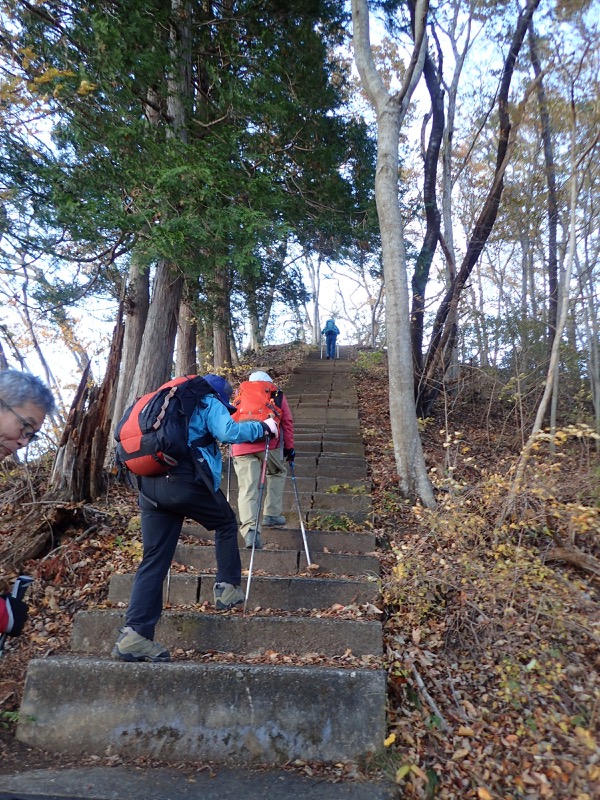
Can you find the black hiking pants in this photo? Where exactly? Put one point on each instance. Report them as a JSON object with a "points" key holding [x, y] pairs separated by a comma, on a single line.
{"points": [[164, 502]]}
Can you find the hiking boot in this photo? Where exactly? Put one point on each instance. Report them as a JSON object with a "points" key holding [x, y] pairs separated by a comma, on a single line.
{"points": [[249, 538], [131, 646], [227, 596], [273, 522]]}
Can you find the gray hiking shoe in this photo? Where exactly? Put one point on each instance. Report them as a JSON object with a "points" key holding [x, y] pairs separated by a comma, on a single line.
{"points": [[273, 522], [227, 596], [131, 646], [249, 538]]}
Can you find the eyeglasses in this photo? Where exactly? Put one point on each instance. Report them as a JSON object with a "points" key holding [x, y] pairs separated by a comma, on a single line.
{"points": [[27, 430]]}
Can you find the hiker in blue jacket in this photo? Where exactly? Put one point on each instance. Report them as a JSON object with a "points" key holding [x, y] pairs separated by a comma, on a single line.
{"points": [[191, 489], [331, 332]]}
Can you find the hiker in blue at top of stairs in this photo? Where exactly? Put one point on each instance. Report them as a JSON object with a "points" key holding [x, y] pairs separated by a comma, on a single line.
{"points": [[331, 332]]}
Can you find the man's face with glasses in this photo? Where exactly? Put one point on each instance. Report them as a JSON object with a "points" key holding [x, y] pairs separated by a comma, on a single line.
{"points": [[18, 426]]}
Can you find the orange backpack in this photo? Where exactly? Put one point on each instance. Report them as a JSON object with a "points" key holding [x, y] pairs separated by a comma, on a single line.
{"points": [[257, 401], [152, 435]]}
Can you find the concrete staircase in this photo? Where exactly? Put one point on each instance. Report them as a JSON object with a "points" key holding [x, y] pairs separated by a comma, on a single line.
{"points": [[243, 709]]}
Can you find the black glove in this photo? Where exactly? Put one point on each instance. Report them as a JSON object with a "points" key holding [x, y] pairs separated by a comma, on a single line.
{"points": [[19, 613], [289, 454]]}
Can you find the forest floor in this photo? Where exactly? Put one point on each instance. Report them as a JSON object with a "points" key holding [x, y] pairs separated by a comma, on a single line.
{"points": [[492, 616]]}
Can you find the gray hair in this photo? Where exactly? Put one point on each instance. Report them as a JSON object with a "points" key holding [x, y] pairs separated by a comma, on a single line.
{"points": [[18, 388]]}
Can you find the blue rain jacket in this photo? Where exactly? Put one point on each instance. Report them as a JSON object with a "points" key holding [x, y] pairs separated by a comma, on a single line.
{"points": [[216, 420]]}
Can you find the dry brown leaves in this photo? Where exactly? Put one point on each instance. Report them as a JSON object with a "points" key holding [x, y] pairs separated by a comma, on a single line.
{"points": [[492, 652]]}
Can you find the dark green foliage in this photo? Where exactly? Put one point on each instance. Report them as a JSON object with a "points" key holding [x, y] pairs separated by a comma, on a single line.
{"points": [[263, 159]]}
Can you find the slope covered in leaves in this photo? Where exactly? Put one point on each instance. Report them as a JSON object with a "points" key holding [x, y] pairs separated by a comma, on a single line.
{"points": [[491, 637]]}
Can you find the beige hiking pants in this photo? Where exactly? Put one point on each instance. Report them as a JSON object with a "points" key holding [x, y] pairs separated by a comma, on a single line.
{"points": [[248, 469]]}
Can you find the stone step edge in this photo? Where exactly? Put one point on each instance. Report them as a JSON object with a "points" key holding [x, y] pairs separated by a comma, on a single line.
{"points": [[277, 593], [362, 541], [288, 563], [239, 714], [95, 631]]}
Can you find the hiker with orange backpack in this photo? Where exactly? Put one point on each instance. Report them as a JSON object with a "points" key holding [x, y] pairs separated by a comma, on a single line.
{"points": [[260, 398], [169, 440]]}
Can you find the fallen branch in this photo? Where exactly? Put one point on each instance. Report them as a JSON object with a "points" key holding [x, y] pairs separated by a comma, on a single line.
{"points": [[429, 699], [571, 555]]}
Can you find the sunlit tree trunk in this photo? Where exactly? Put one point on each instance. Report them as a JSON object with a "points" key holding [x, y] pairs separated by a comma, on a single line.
{"points": [[314, 275], [136, 303], [390, 109]]}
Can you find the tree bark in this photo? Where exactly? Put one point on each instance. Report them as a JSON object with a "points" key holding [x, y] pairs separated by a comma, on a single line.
{"points": [[390, 109], [155, 359], [221, 352], [186, 360], [77, 473], [432, 214], [136, 304]]}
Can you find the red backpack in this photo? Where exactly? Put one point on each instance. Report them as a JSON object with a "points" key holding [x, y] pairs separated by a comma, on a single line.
{"points": [[257, 401], [152, 435]]}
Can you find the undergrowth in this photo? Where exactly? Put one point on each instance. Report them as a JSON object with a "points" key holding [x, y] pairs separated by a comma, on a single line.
{"points": [[491, 632]]}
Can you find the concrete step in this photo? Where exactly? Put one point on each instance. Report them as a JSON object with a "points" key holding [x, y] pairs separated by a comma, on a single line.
{"points": [[158, 783], [241, 714], [343, 502], [331, 501], [284, 594], [234, 632], [282, 562], [344, 485], [332, 467], [338, 541]]}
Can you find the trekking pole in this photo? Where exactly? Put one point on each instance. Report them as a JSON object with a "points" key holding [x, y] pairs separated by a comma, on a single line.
{"points": [[304, 539], [19, 589], [168, 585], [263, 474], [228, 470], [321, 347]]}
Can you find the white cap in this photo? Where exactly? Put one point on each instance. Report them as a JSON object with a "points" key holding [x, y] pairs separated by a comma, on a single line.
{"points": [[261, 376]]}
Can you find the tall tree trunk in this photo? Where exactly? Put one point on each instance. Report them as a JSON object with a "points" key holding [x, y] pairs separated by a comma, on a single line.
{"points": [[551, 182], [432, 214], [221, 352], [390, 109], [136, 303], [155, 362], [186, 360], [444, 326], [313, 319]]}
